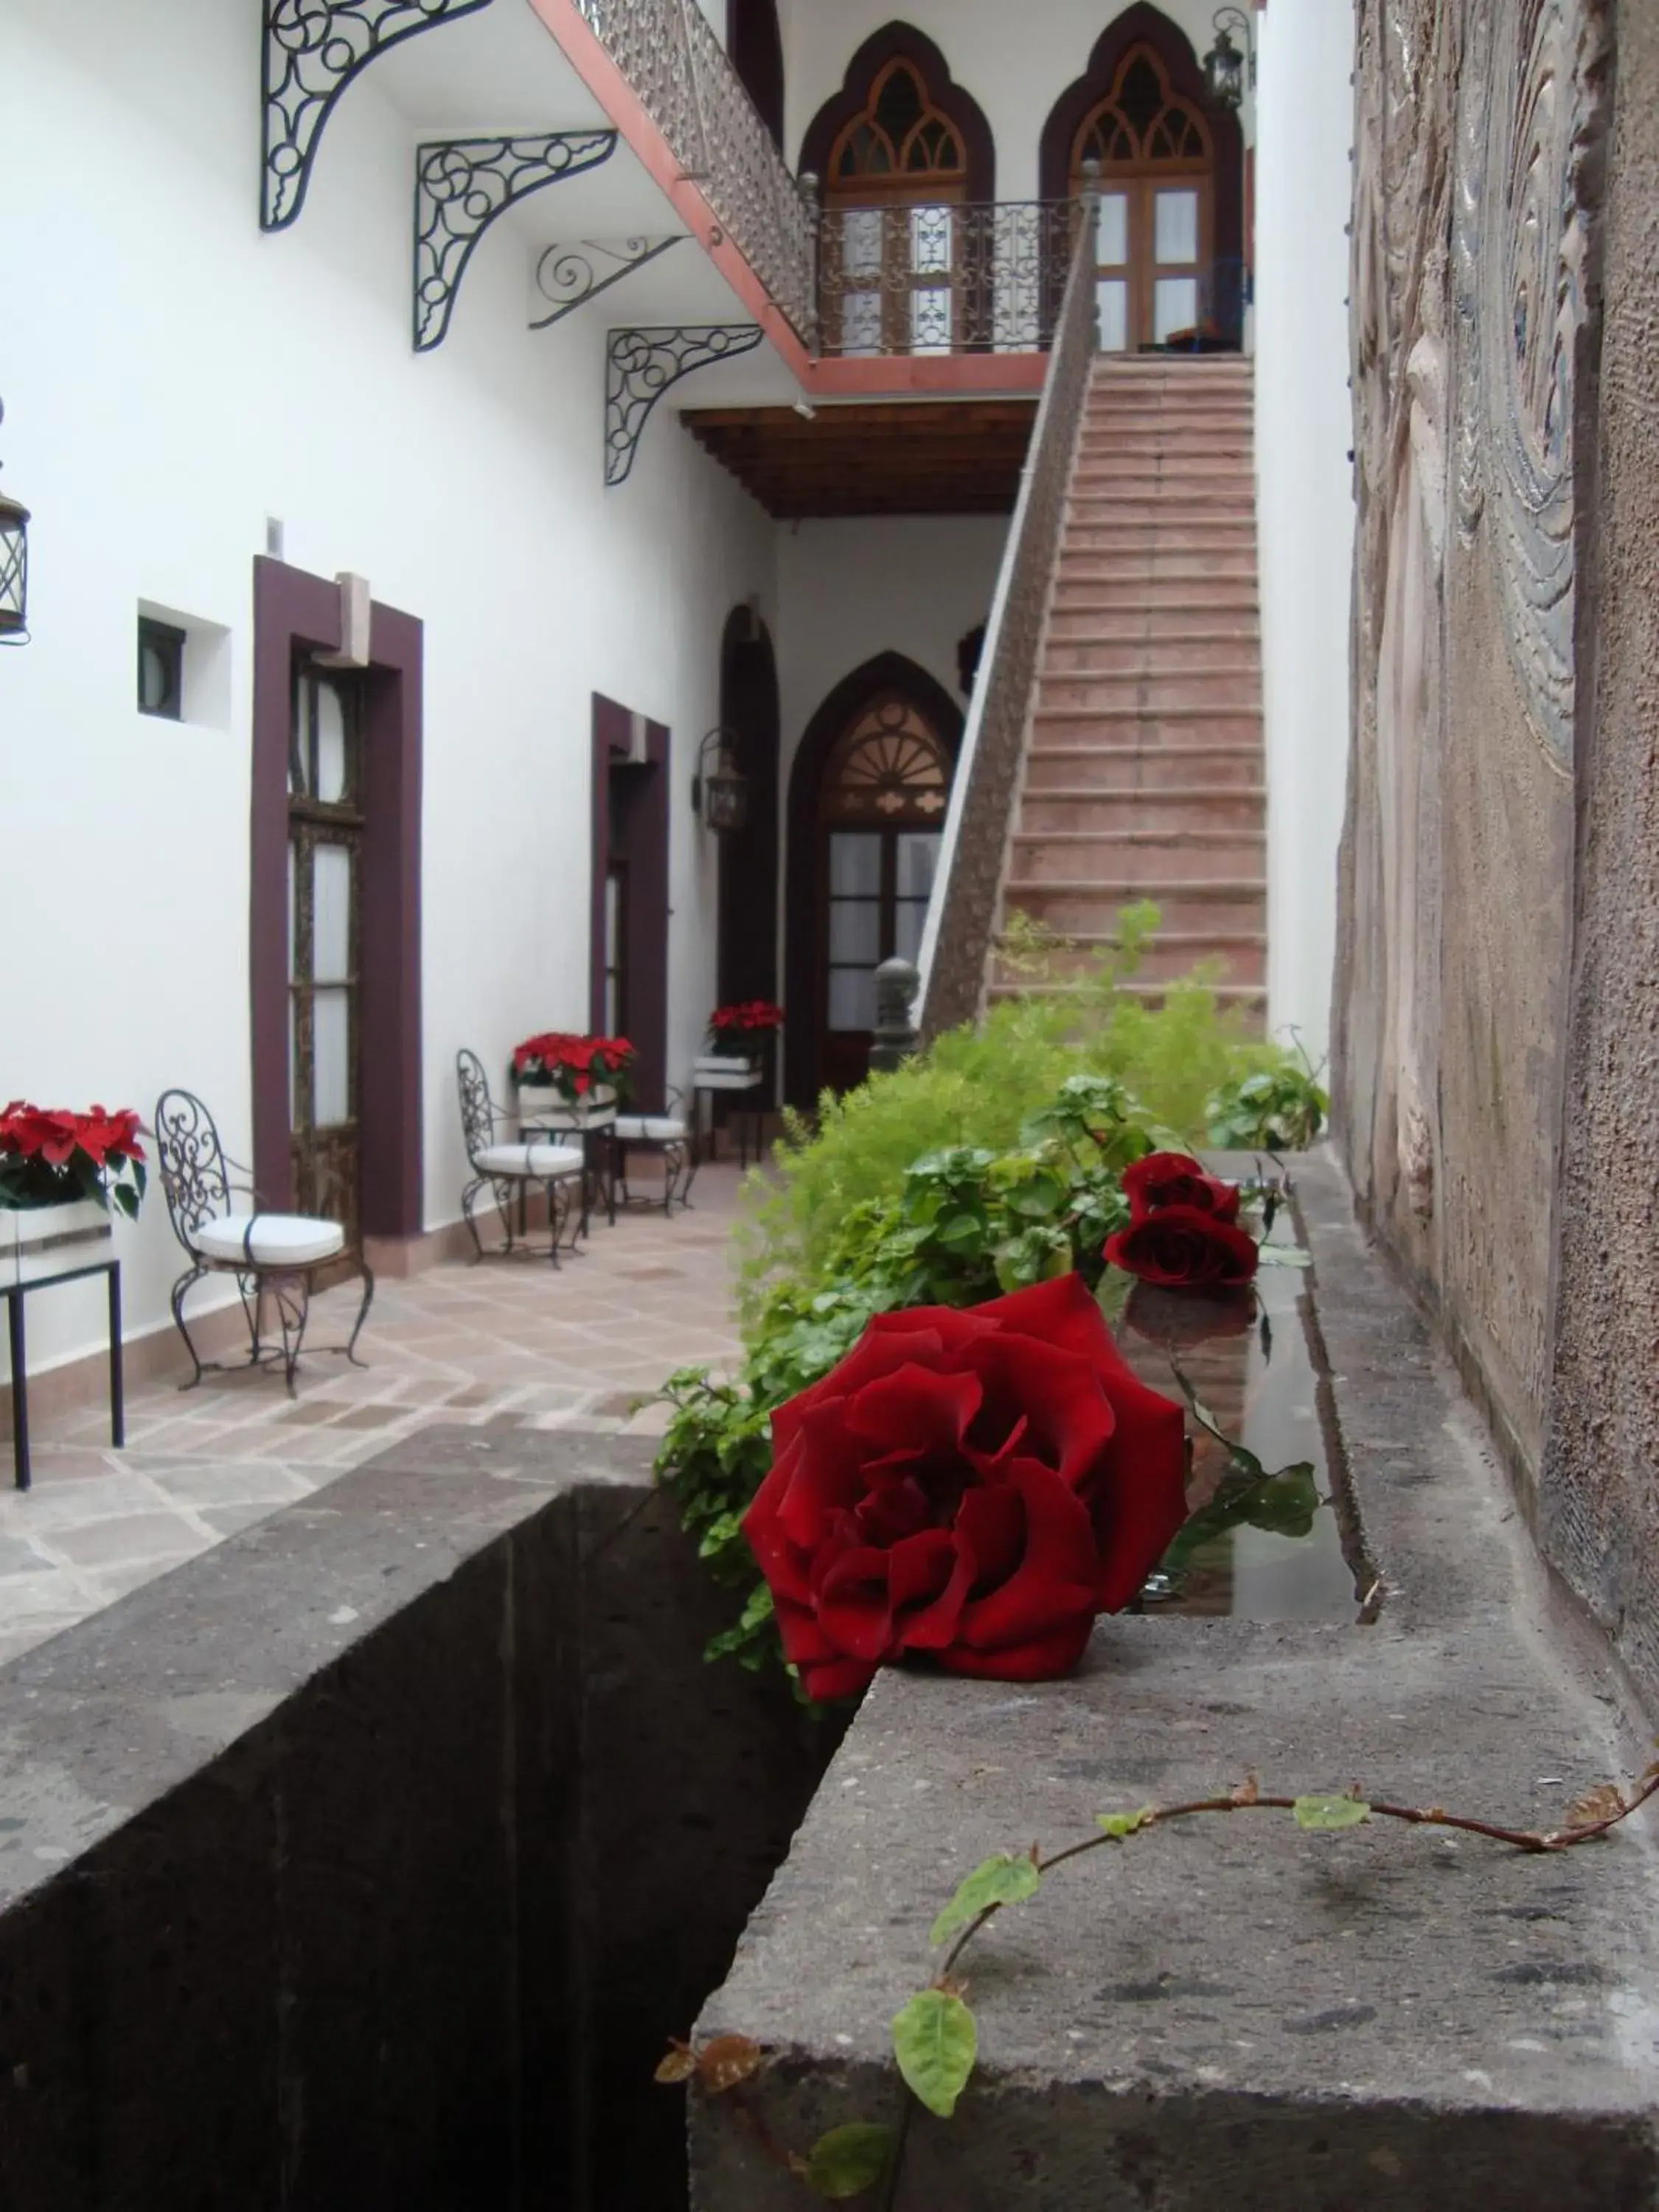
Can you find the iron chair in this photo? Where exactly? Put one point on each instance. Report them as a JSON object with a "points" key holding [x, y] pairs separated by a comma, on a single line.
{"points": [[507, 1170], [277, 1253], [669, 1134]]}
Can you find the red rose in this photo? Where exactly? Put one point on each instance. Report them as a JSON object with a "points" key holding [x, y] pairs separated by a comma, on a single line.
{"points": [[1182, 1247], [1176, 1179], [974, 1486]]}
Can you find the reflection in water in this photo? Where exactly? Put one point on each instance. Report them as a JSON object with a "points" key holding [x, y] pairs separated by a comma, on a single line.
{"points": [[1249, 1361]]}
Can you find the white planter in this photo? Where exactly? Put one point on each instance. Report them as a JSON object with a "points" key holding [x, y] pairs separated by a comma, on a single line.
{"points": [[45, 1240], [550, 1110], [715, 1071]]}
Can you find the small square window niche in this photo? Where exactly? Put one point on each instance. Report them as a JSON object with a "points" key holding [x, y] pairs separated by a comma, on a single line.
{"points": [[160, 669]]}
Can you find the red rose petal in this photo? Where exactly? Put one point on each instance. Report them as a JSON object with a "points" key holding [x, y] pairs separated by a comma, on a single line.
{"points": [[854, 1607], [1043, 1658], [1056, 1576]]}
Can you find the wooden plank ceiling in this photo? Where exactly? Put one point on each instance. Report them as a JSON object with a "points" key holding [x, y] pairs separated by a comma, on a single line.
{"points": [[919, 457]]}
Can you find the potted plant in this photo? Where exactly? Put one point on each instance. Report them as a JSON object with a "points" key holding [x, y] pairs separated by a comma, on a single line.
{"points": [[738, 1036], [568, 1079], [60, 1174]]}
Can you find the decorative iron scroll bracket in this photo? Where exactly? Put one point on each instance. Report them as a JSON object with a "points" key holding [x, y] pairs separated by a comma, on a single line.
{"points": [[568, 276], [461, 185], [312, 50], [641, 365]]}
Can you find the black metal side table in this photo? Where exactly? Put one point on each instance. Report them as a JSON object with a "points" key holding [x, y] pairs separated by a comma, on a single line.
{"points": [[14, 1294]]}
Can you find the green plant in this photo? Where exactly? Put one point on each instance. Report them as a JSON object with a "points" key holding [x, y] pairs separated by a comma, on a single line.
{"points": [[1274, 1110]]}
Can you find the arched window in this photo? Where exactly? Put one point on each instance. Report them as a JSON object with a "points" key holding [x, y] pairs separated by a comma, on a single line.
{"points": [[899, 150], [1171, 167]]}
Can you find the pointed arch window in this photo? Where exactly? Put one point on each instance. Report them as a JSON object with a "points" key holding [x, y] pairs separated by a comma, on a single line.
{"points": [[1156, 154]]}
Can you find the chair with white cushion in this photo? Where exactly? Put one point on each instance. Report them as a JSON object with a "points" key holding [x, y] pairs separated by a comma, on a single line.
{"points": [[273, 1254], [670, 1136], [507, 1170]]}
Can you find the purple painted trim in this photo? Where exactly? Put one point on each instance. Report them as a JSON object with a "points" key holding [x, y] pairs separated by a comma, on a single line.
{"points": [[296, 613]]}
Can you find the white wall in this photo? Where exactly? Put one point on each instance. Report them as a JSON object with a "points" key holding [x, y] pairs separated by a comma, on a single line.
{"points": [[173, 378], [1304, 433], [1016, 62]]}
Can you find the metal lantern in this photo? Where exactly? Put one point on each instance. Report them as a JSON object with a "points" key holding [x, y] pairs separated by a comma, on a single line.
{"points": [[1224, 66], [720, 793], [14, 568]]}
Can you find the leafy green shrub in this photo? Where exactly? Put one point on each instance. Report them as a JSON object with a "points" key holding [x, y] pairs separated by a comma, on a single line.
{"points": [[1277, 1110]]}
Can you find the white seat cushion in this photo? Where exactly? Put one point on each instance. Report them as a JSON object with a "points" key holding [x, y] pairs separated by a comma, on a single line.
{"points": [[650, 1129], [536, 1162], [279, 1240]]}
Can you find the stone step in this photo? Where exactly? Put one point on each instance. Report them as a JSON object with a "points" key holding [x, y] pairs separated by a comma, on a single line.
{"points": [[1192, 906], [1151, 692], [1174, 811], [1161, 513], [1242, 953], [1232, 725], [1080, 768], [1184, 523], [1247, 997], [1128, 596], [1118, 858], [1136, 476], [1163, 564], [1123, 653]]}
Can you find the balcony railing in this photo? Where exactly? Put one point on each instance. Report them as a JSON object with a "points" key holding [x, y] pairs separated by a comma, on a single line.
{"points": [[944, 279], [670, 55]]}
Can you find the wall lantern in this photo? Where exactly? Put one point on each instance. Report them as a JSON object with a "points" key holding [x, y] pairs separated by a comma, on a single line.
{"points": [[14, 570], [721, 792], [1226, 68]]}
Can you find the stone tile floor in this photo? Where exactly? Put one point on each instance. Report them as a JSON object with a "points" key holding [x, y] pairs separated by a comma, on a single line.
{"points": [[508, 1341]]}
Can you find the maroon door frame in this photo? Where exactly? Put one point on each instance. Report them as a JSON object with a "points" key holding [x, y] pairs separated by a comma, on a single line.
{"points": [[640, 835], [747, 966], [888, 671], [294, 614], [903, 41], [754, 46]]}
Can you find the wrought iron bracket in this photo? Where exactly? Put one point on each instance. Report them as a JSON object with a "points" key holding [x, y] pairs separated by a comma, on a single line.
{"points": [[568, 276], [312, 50], [641, 365], [461, 185]]}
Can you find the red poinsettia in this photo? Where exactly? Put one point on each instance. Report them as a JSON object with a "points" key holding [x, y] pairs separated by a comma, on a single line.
{"points": [[734, 1028], [973, 1486], [573, 1064], [49, 1156]]}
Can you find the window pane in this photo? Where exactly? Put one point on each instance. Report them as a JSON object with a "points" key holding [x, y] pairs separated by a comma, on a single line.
{"points": [[293, 864], [860, 323], [1114, 230], [856, 863], [851, 998], [855, 930], [330, 942], [331, 1036], [1175, 228], [331, 745], [910, 919], [1174, 306], [1114, 295], [861, 242], [931, 229], [931, 318], [918, 857]]}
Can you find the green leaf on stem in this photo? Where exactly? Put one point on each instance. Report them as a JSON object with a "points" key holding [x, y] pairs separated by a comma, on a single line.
{"points": [[935, 2042], [1003, 1880], [1125, 1824], [850, 2160], [1331, 1812]]}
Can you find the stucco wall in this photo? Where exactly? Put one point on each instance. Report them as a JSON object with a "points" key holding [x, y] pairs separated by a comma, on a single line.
{"points": [[1599, 1493], [1476, 326], [173, 378]]}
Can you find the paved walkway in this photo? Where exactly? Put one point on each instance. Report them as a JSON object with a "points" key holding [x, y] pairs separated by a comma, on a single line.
{"points": [[506, 1343]]}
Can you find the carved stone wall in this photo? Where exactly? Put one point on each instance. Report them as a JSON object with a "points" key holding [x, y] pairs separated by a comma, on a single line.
{"points": [[1476, 329]]}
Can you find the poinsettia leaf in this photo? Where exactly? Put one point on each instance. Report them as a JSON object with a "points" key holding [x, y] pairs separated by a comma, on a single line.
{"points": [[849, 2160], [935, 2042], [1331, 1812], [1003, 1880]]}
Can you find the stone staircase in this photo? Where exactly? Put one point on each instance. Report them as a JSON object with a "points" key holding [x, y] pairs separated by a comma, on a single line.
{"points": [[1143, 773]]}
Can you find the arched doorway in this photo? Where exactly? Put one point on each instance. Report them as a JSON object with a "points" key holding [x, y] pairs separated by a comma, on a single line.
{"points": [[899, 150], [1171, 185], [747, 960], [867, 801]]}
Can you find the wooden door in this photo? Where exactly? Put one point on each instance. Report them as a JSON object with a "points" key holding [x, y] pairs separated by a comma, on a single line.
{"points": [[893, 242], [1156, 167], [324, 856]]}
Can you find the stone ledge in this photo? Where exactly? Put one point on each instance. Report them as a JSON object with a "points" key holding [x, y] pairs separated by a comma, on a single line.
{"points": [[1231, 2011]]}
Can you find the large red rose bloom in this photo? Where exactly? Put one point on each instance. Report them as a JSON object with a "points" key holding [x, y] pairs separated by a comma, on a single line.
{"points": [[1183, 1247], [973, 1485], [1177, 1179]]}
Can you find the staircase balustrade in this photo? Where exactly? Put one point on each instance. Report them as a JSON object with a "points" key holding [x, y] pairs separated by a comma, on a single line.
{"points": [[669, 52], [962, 917]]}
